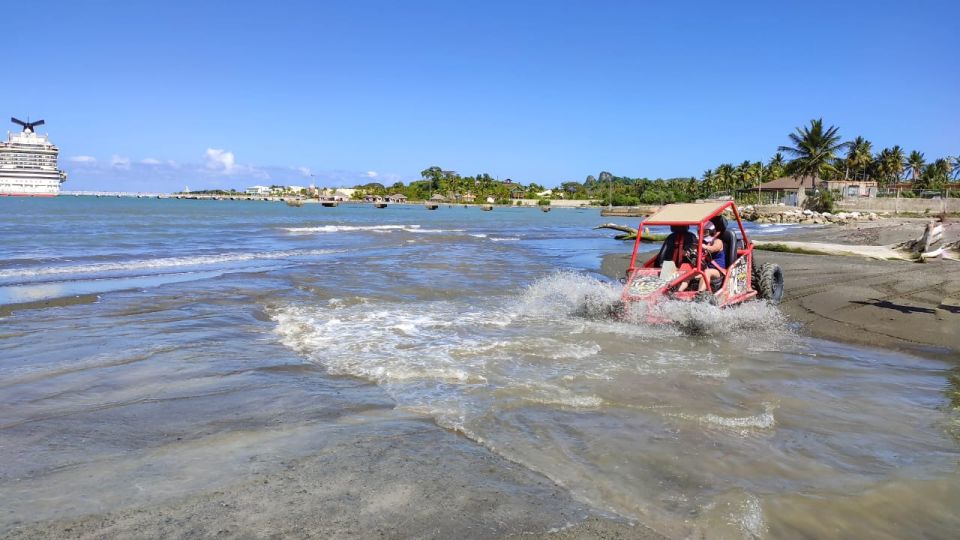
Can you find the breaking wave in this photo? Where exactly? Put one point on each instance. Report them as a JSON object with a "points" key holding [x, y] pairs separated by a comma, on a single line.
{"points": [[416, 229], [166, 262]]}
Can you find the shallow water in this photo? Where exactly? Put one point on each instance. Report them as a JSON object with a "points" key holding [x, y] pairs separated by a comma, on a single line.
{"points": [[210, 312]]}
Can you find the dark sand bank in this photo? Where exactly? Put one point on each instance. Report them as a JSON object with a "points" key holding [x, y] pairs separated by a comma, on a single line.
{"points": [[8, 309], [913, 307]]}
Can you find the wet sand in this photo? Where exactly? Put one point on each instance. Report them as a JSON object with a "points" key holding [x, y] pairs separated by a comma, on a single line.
{"points": [[393, 478], [7, 309], [907, 306]]}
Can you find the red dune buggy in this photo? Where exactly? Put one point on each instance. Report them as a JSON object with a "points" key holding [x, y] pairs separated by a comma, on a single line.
{"points": [[682, 259]]}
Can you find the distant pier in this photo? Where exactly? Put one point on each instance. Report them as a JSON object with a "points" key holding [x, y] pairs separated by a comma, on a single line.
{"points": [[134, 194]]}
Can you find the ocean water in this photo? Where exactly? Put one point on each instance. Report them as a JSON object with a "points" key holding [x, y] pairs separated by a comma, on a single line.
{"points": [[135, 319]]}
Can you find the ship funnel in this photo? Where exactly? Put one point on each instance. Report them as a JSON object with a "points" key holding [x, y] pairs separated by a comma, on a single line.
{"points": [[27, 126]]}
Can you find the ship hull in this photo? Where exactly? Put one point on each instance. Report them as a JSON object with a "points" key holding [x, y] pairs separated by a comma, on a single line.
{"points": [[24, 183]]}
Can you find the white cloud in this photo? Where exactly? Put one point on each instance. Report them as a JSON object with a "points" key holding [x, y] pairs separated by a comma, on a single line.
{"points": [[219, 159], [305, 171], [120, 162], [173, 164], [372, 174], [150, 161], [83, 159]]}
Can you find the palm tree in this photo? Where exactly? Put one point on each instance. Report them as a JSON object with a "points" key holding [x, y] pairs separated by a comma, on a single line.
{"points": [[915, 164], [859, 155], [725, 177], [709, 181], [813, 150], [776, 166], [896, 161], [956, 167], [935, 175], [888, 165]]}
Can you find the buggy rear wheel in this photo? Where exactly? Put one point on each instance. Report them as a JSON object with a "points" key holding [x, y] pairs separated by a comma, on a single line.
{"points": [[768, 281]]}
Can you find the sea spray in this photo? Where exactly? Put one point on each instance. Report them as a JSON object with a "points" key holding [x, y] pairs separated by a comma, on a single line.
{"points": [[568, 293]]}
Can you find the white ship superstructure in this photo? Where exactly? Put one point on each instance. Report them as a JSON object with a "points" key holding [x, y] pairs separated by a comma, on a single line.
{"points": [[28, 163]]}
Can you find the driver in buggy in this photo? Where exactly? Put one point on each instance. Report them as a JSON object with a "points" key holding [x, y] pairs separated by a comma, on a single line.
{"points": [[680, 249], [678, 246]]}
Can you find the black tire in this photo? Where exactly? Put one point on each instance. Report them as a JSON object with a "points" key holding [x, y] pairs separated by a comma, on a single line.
{"points": [[716, 284], [706, 297], [768, 281]]}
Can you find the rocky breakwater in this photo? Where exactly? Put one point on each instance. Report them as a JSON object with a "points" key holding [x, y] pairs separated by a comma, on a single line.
{"points": [[789, 214]]}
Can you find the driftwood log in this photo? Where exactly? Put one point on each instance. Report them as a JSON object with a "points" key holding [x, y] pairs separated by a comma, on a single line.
{"points": [[629, 233]]}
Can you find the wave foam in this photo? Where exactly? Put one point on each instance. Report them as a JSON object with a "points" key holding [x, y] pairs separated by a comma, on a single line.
{"points": [[416, 229], [166, 262], [743, 424]]}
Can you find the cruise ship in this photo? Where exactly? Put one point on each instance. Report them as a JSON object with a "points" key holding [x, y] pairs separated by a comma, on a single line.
{"points": [[28, 163]]}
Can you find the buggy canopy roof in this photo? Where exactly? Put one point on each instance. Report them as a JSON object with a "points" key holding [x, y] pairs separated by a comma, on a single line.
{"points": [[686, 213]]}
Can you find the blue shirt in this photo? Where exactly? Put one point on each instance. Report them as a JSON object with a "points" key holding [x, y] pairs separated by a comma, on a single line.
{"points": [[720, 257]]}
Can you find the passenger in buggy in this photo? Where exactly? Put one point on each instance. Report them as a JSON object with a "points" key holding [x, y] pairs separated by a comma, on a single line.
{"points": [[714, 256]]}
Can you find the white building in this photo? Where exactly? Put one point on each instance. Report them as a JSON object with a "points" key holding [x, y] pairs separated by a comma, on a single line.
{"points": [[258, 190]]}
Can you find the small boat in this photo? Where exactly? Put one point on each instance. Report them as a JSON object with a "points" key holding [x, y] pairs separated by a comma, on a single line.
{"points": [[330, 204], [295, 202], [487, 207], [431, 206], [380, 205], [545, 208]]}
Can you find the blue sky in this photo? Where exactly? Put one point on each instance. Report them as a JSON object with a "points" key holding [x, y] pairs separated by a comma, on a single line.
{"points": [[155, 96]]}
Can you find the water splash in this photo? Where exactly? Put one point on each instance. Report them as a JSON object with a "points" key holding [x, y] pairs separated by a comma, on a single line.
{"points": [[569, 293]]}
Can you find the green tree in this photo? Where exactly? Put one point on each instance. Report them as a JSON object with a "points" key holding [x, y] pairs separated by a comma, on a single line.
{"points": [[859, 157], [935, 175], [915, 164], [776, 167], [814, 149], [434, 175]]}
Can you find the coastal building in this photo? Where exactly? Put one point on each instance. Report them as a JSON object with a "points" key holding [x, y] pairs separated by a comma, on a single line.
{"points": [[469, 198], [295, 189], [257, 190], [853, 188], [337, 194], [438, 198], [28, 163], [397, 198], [517, 192], [790, 190]]}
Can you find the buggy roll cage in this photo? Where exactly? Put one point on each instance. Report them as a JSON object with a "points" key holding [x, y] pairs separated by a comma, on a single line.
{"points": [[685, 215]]}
